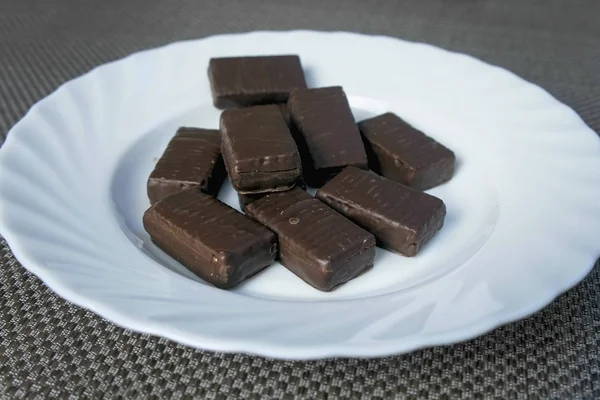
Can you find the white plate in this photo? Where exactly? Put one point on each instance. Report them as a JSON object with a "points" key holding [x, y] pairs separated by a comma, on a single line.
{"points": [[523, 221]]}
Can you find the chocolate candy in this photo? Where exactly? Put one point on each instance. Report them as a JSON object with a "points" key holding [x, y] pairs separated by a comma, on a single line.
{"points": [[315, 242], [192, 159], [247, 81], [259, 150], [211, 239], [403, 219], [326, 133], [405, 154]]}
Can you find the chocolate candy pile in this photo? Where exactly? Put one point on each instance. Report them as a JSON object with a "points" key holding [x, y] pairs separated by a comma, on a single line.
{"points": [[276, 135]]}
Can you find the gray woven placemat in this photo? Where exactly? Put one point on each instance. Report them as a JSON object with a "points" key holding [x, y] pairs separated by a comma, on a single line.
{"points": [[49, 348]]}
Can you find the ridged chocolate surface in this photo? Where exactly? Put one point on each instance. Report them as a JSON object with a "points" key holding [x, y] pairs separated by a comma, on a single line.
{"points": [[247, 81], [315, 242], [259, 150], [405, 154], [325, 129], [214, 241], [401, 218], [192, 159]]}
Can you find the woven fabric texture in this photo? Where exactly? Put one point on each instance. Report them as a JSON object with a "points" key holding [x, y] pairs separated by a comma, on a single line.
{"points": [[52, 349]]}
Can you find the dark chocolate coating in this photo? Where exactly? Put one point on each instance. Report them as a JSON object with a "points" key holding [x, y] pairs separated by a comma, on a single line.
{"points": [[259, 151], [211, 239], [245, 199], [315, 242], [248, 81], [285, 113], [327, 135], [401, 218], [192, 159], [400, 152]]}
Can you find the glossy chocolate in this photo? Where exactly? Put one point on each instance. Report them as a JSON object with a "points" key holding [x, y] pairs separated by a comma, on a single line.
{"points": [[400, 152], [192, 159], [259, 151], [315, 242], [326, 133], [401, 218], [248, 81], [211, 239], [245, 199]]}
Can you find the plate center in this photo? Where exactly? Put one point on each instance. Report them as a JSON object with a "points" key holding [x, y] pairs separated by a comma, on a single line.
{"points": [[472, 206]]}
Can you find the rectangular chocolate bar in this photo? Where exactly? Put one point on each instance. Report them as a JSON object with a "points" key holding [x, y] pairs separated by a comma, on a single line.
{"points": [[248, 81], [192, 159], [326, 133], [211, 239], [401, 218], [315, 242], [400, 152], [259, 151]]}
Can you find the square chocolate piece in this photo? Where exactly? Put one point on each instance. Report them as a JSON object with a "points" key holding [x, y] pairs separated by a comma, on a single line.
{"points": [[192, 159], [248, 81], [211, 239], [401, 218], [315, 242], [259, 151], [326, 133], [400, 152]]}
